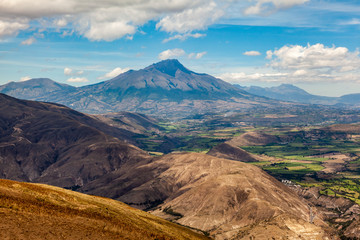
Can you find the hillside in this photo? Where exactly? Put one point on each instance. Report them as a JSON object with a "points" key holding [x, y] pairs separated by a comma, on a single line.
{"points": [[35, 211], [130, 121], [225, 198], [43, 142]]}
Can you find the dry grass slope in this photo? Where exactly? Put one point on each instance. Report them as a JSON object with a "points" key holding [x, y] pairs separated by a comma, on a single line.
{"points": [[36, 211]]}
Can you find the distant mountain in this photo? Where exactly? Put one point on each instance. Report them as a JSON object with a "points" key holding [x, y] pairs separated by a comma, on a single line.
{"points": [[353, 99], [289, 92], [34, 211], [35, 88], [166, 88]]}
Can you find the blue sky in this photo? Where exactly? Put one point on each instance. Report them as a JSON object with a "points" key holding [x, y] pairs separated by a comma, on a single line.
{"points": [[312, 44]]}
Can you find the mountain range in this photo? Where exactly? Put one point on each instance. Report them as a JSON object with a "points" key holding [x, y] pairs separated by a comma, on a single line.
{"points": [[165, 88], [289, 92]]}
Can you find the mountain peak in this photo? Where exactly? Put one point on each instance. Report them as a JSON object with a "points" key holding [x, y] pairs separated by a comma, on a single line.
{"points": [[169, 66]]}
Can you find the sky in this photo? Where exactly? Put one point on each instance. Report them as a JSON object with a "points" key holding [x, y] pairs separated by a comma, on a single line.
{"points": [[313, 44]]}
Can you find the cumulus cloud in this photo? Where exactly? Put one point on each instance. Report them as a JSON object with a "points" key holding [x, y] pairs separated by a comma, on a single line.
{"points": [[244, 77], [113, 73], [28, 41], [60, 22], [111, 19], [11, 27], [171, 53], [315, 58], [269, 6], [183, 37], [26, 78], [68, 71], [252, 53], [178, 52], [77, 80], [71, 72], [311, 63], [197, 55], [191, 19]]}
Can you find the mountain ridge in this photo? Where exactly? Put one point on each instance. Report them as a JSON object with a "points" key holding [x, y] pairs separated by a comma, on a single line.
{"points": [[166, 88], [289, 92]]}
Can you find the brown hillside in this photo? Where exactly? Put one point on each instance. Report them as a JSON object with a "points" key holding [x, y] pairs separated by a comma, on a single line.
{"points": [[225, 150], [253, 139], [345, 128], [226, 198], [49, 143], [34, 211], [130, 121]]}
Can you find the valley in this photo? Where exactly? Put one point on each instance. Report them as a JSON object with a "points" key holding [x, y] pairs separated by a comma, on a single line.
{"points": [[180, 120], [224, 172]]}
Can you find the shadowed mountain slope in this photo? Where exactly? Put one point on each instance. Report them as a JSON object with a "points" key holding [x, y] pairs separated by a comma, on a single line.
{"points": [[35, 211], [43, 142]]}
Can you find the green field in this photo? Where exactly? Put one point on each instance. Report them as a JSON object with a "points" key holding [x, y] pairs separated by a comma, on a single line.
{"points": [[298, 155]]}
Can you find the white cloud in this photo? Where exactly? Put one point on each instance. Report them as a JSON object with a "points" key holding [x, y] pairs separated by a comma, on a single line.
{"points": [[28, 41], [244, 77], [354, 21], [178, 52], [107, 31], [171, 53], [68, 71], [113, 73], [26, 78], [60, 22], [183, 37], [11, 27], [311, 63], [77, 80], [314, 57], [191, 19], [67, 33], [108, 20], [196, 55], [269, 6], [252, 53]]}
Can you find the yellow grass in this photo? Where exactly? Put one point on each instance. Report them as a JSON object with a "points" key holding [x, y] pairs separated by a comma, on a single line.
{"points": [[36, 211]]}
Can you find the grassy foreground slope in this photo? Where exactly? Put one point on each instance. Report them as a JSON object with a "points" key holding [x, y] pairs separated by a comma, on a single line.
{"points": [[36, 211]]}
